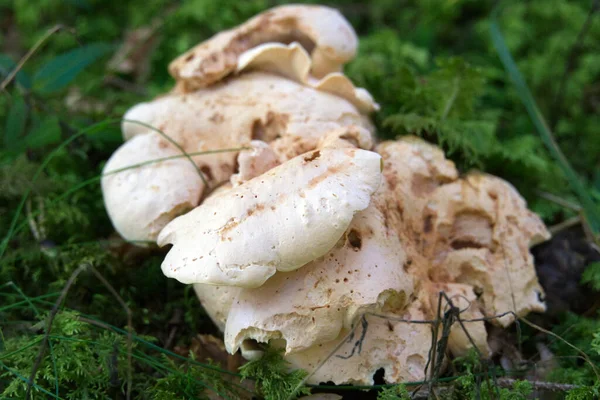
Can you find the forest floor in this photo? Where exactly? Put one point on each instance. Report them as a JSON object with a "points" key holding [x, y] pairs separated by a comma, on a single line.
{"points": [[120, 329]]}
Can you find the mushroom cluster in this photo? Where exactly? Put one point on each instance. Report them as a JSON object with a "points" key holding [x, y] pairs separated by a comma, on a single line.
{"points": [[313, 228]]}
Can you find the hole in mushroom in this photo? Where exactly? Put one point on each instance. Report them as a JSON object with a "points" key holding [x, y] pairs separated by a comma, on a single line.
{"points": [[269, 129], [406, 265], [465, 244], [540, 296], [428, 224], [471, 230], [379, 377], [258, 130], [354, 239], [251, 344], [353, 140], [390, 326], [236, 165], [207, 172], [252, 350]]}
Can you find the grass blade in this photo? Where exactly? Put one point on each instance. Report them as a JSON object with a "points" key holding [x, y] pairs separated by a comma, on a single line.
{"points": [[592, 213]]}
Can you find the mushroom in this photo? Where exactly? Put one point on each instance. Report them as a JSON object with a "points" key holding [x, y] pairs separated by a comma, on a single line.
{"points": [[421, 205], [396, 344], [311, 305], [321, 30], [141, 201], [210, 112], [254, 106], [306, 241], [278, 221], [216, 301], [481, 234]]}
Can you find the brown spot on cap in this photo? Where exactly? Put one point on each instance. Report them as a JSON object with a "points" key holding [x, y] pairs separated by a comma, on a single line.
{"points": [[313, 156]]}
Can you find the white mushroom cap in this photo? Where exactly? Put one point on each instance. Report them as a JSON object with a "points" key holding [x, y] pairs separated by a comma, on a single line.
{"points": [[216, 301], [322, 30], [142, 200], [474, 230], [254, 106], [414, 168], [314, 303], [281, 220], [483, 232], [400, 348], [293, 62]]}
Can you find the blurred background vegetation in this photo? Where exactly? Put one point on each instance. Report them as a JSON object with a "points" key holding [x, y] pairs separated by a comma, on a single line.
{"points": [[432, 66]]}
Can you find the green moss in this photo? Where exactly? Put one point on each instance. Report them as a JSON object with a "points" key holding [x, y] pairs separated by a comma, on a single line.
{"points": [[272, 376]]}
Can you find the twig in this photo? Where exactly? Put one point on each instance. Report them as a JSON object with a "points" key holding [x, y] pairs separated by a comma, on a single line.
{"points": [[505, 383], [559, 200], [552, 386], [583, 354], [452, 98], [432, 350], [566, 224]]}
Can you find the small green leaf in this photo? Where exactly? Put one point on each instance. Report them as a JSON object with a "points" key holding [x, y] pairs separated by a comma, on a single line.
{"points": [[15, 123], [63, 69], [7, 65], [47, 132]]}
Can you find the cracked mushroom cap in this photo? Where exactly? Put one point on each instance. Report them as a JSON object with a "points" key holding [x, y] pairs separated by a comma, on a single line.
{"points": [[481, 233], [140, 201], [253, 106], [413, 168], [474, 230], [315, 303], [400, 348], [293, 62], [323, 31], [280, 220]]}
